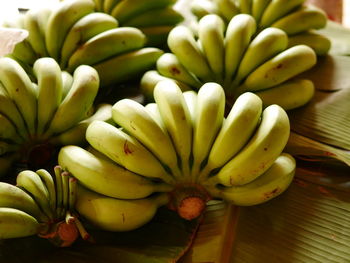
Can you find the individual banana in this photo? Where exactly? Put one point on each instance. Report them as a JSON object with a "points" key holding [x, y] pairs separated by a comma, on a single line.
{"points": [[8, 131], [20, 89], [84, 29], [108, 5], [50, 185], [236, 130], [125, 150], [113, 214], [302, 20], [245, 6], [202, 8], [182, 43], [289, 95], [210, 108], [156, 36], [267, 44], [49, 78], [24, 52], [190, 97], [227, 8], [127, 66], [67, 81], [258, 9], [211, 35], [153, 111], [105, 177], [61, 20], [15, 223], [237, 38], [107, 44], [176, 118], [267, 186], [280, 68], [127, 9], [135, 119], [264, 147], [148, 82], [319, 43], [77, 102]]}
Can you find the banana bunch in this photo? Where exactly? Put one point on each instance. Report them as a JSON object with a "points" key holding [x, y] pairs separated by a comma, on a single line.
{"points": [[53, 110], [74, 34], [41, 204], [155, 18], [238, 58], [299, 20], [179, 151]]}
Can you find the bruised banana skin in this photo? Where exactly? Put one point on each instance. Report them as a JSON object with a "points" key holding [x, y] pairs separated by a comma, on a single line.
{"points": [[114, 214], [105, 177], [267, 186]]}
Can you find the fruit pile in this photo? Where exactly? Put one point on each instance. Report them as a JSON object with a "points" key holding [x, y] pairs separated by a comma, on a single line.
{"points": [[52, 111], [294, 17], [84, 38]]}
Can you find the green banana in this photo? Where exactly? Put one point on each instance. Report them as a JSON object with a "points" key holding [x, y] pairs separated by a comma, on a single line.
{"points": [[245, 6], [67, 81], [156, 35], [50, 185], [227, 8], [202, 8], [258, 9], [319, 43], [108, 5], [8, 131]]}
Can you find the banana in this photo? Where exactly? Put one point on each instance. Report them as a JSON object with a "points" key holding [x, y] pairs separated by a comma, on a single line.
{"points": [[245, 6], [43, 17], [289, 95], [20, 89], [128, 9], [258, 8], [107, 44], [9, 109], [165, 16], [176, 118], [267, 186], [302, 20], [32, 183], [113, 214], [267, 44], [15, 197], [6, 162], [85, 28], [134, 118], [61, 20], [8, 147], [148, 82], [190, 97], [156, 36], [105, 177], [238, 36], [169, 66], [127, 66], [264, 147], [235, 132], [211, 35], [277, 9], [99, 5], [67, 81], [182, 43], [319, 43], [108, 5], [77, 102], [24, 52], [49, 77], [208, 121], [227, 9], [49, 183], [280, 68], [15, 223], [202, 8], [153, 111], [8, 131], [125, 150], [76, 134], [36, 37]]}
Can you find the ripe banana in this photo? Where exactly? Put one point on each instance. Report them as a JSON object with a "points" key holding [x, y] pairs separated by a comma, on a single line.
{"points": [[49, 183], [177, 119], [135, 119], [153, 111], [190, 97], [264, 147], [105, 45], [61, 20], [20, 89], [156, 36], [15, 223], [202, 8], [267, 186], [148, 82], [84, 29], [227, 9], [319, 43], [105, 177], [125, 150], [258, 9], [8, 131], [108, 5], [49, 78], [113, 214], [67, 81], [245, 6], [77, 102]]}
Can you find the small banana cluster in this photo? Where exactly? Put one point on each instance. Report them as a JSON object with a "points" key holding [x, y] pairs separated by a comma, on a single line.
{"points": [[155, 18], [42, 205], [179, 151], [74, 34], [299, 20], [54, 110], [237, 59]]}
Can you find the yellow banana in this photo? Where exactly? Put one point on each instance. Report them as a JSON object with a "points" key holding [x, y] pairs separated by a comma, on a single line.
{"points": [[108, 5], [8, 131], [245, 6], [156, 36], [105, 45], [50, 185], [258, 8], [190, 97], [125, 150], [113, 214], [105, 177], [202, 8], [264, 147], [319, 43], [148, 82], [67, 81], [289, 95], [227, 8], [153, 111]]}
